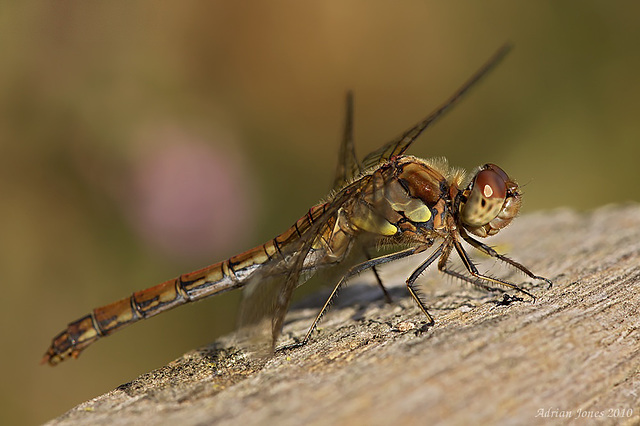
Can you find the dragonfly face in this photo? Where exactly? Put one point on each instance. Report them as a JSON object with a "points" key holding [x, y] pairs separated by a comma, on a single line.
{"points": [[418, 200], [490, 201], [388, 197]]}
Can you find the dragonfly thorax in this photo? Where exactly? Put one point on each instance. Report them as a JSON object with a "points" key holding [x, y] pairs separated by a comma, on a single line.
{"points": [[490, 201], [388, 198]]}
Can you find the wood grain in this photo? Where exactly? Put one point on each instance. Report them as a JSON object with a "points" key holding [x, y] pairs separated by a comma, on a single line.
{"points": [[575, 351]]}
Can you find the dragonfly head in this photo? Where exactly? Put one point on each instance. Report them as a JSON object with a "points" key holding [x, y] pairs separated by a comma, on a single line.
{"points": [[490, 201]]}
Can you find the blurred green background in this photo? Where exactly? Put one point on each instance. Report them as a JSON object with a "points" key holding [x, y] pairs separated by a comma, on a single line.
{"points": [[141, 140]]}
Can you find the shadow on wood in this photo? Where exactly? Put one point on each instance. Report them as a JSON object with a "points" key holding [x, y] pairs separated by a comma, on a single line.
{"points": [[574, 352]]}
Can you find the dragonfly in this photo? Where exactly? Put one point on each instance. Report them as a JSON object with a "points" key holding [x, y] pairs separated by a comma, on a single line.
{"points": [[389, 199]]}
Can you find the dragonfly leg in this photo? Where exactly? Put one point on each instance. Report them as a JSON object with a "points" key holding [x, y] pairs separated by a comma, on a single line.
{"points": [[351, 272], [443, 250], [471, 268], [387, 296], [471, 280], [491, 252]]}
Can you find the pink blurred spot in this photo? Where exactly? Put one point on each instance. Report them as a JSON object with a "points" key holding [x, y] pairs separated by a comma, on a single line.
{"points": [[190, 197]]}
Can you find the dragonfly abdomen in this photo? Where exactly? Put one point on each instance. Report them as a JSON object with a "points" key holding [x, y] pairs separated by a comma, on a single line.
{"points": [[219, 277], [143, 304]]}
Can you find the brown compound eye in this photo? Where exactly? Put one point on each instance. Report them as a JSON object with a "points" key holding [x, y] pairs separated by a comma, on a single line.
{"points": [[492, 183], [486, 196], [498, 171]]}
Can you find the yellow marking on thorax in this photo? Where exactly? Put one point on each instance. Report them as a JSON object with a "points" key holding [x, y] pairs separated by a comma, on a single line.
{"points": [[414, 209], [366, 220]]}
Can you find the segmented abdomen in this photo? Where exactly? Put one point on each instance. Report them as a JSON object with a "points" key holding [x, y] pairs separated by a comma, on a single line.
{"points": [[219, 277]]}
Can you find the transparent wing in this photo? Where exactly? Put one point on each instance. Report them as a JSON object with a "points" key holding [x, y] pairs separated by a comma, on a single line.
{"points": [[400, 144], [267, 295], [348, 165], [268, 292]]}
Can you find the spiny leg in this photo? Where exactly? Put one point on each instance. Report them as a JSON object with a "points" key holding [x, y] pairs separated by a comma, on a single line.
{"points": [[351, 272], [471, 268], [442, 250], [442, 266], [471, 280], [491, 252]]}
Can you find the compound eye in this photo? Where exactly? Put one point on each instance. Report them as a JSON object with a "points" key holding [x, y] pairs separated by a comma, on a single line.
{"points": [[486, 197], [498, 170], [491, 184]]}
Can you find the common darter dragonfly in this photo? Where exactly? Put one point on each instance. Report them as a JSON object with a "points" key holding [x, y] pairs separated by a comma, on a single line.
{"points": [[388, 199]]}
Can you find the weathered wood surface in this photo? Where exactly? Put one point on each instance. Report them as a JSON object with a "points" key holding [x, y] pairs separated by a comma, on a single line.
{"points": [[574, 351]]}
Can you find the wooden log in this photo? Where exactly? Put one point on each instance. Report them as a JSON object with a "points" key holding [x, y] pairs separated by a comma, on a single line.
{"points": [[573, 353]]}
